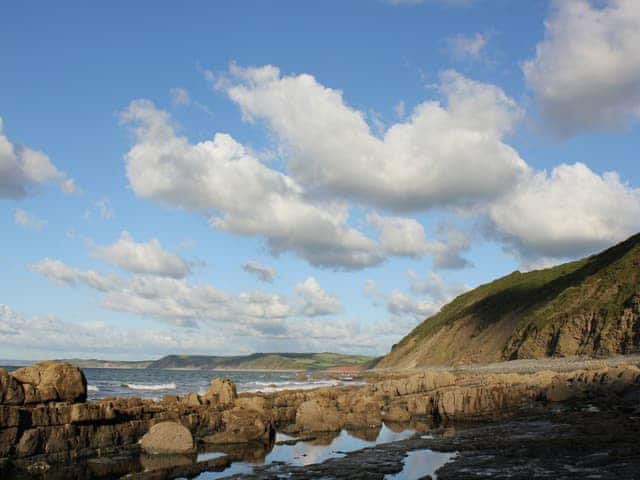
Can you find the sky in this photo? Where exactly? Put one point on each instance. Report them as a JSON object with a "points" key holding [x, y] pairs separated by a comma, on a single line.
{"points": [[236, 177]]}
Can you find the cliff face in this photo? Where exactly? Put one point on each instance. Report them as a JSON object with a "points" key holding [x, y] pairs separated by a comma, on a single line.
{"points": [[590, 307]]}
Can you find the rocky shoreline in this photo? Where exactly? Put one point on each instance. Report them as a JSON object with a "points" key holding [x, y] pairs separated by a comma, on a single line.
{"points": [[48, 430]]}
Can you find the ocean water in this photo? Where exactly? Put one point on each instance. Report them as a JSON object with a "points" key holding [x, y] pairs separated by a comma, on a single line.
{"points": [[153, 384]]}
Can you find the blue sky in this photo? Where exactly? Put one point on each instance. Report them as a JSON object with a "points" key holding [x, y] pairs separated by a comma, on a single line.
{"points": [[231, 177]]}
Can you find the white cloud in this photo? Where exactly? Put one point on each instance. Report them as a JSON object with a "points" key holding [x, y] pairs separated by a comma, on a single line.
{"points": [[28, 220], [249, 198], [434, 158], [264, 273], [62, 274], [142, 257], [23, 169], [403, 236], [569, 212], [400, 109], [586, 72], [434, 288], [401, 304], [49, 336], [431, 291], [467, 47], [180, 303], [314, 300]]}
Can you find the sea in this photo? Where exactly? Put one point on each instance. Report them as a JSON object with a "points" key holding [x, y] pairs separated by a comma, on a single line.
{"points": [[154, 383]]}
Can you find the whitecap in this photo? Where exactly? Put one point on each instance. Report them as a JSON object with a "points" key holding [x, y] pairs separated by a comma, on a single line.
{"points": [[140, 386]]}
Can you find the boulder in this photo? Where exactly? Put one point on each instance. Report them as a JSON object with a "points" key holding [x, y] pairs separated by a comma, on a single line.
{"points": [[311, 416], [222, 392], [192, 400], [10, 390], [52, 382], [242, 426], [167, 438]]}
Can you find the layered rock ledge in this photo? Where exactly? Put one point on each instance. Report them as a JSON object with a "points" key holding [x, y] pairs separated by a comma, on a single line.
{"points": [[45, 418]]}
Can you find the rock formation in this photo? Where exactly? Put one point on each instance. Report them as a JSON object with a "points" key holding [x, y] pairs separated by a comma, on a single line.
{"points": [[222, 392], [55, 431], [168, 438]]}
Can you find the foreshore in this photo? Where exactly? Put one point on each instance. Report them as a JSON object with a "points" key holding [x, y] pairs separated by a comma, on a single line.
{"points": [[51, 428]]}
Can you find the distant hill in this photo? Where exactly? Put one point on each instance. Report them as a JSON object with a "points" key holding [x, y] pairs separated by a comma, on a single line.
{"points": [[256, 361], [262, 361], [95, 363], [590, 307]]}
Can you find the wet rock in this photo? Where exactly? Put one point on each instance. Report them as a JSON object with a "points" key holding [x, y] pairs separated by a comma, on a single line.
{"points": [[242, 426], [52, 381], [222, 392], [167, 438]]}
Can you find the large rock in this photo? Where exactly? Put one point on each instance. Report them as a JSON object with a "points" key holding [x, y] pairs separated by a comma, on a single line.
{"points": [[52, 382], [312, 416], [168, 438], [242, 426], [222, 391], [10, 390]]}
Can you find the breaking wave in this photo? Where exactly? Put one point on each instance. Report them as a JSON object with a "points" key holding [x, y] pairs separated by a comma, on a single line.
{"points": [[140, 386]]}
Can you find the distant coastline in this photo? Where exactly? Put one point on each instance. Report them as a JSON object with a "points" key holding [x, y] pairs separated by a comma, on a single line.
{"points": [[256, 362]]}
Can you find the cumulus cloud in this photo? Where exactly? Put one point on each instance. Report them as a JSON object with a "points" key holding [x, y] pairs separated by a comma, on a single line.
{"points": [[433, 158], [314, 300], [62, 274], [49, 336], [429, 295], [28, 220], [400, 304], [433, 287], [23, 169], [245, 196], [586, 71], [568, 212], [264, 273], [403, 236], [142, 257], [181, 303]]}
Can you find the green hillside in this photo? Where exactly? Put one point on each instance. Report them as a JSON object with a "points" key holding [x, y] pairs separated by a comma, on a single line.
{"points": [[262, 361], [588, 307]]}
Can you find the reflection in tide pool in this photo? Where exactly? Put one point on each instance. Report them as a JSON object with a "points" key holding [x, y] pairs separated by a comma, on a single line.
{"points": [[314, 451], [420, 463]]}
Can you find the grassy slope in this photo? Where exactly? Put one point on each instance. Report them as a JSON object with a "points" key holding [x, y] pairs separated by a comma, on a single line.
{"points": [[262, 361], [602, 283]]}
